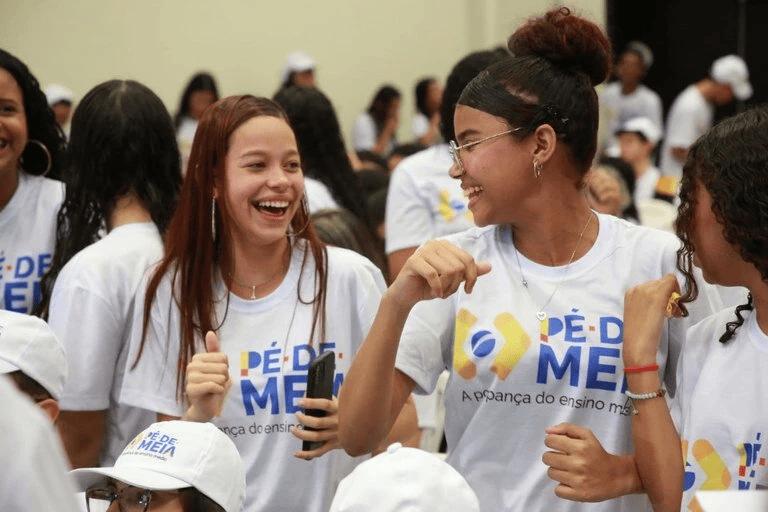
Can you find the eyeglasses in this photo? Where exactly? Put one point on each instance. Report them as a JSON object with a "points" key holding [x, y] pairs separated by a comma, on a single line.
{"points": [[128, 499], [454, 149]]}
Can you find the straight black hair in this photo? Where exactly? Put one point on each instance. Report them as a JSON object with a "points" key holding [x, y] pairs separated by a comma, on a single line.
{"points": [[199, 82]]}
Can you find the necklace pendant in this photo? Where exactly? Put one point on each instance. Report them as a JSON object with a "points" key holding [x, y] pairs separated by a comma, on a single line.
{"points": [[525, 283], [253, 293], [541, 316]]}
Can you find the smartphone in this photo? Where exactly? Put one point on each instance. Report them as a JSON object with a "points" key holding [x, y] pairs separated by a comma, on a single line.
{"points": [[319, 385]]}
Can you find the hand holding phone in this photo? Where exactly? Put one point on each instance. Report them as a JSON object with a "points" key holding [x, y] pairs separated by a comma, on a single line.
{"points": [[320, 416]]}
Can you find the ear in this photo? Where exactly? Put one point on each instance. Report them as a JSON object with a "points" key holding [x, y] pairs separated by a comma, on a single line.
{"points": [[50, 407], [545, 140]]}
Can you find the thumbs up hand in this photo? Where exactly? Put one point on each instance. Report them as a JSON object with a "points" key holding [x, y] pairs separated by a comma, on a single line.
{"points": [[207, 381]]}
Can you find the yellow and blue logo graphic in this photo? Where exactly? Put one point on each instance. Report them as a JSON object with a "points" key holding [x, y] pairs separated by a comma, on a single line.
{"points": [[451, 208]]}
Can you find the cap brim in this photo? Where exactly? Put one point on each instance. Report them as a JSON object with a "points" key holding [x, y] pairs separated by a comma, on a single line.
{"points": [[742, 91], [137, 477], [6, 367]]}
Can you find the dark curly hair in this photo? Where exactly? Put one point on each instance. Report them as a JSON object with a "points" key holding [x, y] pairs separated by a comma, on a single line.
{"points": [[731, 162], [557, 61], [41, 123], [122, 140], [321, 145]]}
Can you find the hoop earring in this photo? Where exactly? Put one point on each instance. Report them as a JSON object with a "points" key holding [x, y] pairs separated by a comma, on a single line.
{"points": [[537, 167], [213, 219], [305, 209], [47, 153]]}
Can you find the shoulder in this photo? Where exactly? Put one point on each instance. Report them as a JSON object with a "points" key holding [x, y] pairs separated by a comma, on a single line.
{"points": [[344, 262], [704, 335], [44, 191], [610, 91], [475, 240], [642, 242]]}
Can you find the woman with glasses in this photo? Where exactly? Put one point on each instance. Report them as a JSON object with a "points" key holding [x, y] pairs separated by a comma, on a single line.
{"points": [[172, 466], [527, 309]]}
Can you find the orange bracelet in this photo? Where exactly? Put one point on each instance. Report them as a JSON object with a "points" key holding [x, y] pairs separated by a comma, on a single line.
{"points": [[641, 369]]}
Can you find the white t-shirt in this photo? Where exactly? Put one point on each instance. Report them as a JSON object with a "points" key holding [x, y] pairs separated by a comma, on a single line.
{"points": [[419, 125], [318, 196], [27, 240], [720, 408], [512, 376], [620, 108], [689, 118], [423, 201], [266, 341], [645, 185], [185, 135], [365, 135], [35, 470], [91, 312]]}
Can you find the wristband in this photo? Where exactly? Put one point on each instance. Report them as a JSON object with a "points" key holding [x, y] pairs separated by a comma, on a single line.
{"points": [[641, 369]]}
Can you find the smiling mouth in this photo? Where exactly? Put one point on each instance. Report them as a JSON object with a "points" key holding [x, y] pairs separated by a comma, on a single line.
{"points": [[471, 192], [272, 208]]}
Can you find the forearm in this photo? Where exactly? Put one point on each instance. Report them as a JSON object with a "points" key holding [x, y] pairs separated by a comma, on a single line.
{"points": [[366, 398], [82, 433], [657, 445], [383, 140]]}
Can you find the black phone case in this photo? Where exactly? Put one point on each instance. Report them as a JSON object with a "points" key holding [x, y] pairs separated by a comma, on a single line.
{"points": [[319, 385]]}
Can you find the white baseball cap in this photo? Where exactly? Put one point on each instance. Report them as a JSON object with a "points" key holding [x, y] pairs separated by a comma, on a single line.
{"points": [[732, 70], [404, 479], [645, 52], [172, 455], [296, 63], [56, 93], [644, 127], [28, 344]]}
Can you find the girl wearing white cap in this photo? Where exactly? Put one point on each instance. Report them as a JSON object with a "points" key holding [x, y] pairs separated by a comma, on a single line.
{"points": [[527, 316], [31, 146], [243, 260], [172, 466]]}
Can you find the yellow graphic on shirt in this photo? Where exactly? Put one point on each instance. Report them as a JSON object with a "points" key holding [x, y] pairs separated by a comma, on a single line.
{"points": [[516, 343], [450, 209], [718, 477], [461, 361]]}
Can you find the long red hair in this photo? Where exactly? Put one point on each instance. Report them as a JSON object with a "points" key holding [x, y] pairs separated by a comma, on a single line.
{"points": [[191, 252]]}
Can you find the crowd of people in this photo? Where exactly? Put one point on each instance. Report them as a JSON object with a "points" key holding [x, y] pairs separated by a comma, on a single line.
{"points": [[546, 283]]}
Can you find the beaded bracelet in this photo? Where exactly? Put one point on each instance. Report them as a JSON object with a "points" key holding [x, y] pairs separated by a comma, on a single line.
{"points": [[644, 396]]}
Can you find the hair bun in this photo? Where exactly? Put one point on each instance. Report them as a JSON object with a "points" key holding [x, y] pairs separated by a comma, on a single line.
{"points": [[567, 41]]}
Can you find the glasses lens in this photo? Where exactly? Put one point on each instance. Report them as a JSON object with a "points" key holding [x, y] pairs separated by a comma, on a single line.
{"points": [[453, 149], [134, 499], [99, 500]]}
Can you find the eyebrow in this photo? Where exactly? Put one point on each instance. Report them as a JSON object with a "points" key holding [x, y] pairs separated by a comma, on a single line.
{"points": [[261, 152], [464, 134]]}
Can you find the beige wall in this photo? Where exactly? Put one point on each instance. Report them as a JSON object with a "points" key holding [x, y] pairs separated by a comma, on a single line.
{"points": [[358, 44]]}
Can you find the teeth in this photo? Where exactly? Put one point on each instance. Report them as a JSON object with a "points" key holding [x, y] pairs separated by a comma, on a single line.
{"points": [[274, 204], [472, 190]]}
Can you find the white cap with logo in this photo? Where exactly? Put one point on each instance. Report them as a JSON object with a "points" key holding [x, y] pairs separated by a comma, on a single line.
{"points": [[644, 127], [174, 455], [732, 70], [296, 63], [404, 479], [27, 344]]}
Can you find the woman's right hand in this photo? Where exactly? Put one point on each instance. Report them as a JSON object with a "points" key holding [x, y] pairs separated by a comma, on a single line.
{"points": [[435, 270], [207, 381], [645, 310]]}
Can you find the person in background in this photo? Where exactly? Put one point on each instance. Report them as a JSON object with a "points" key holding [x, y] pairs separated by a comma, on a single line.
{"points": [[403, 151], [638, 138], [692, 112], [171, 466], [628, 97], [376, 129], [425, 125], [31, 147], [341, 228], [329, 180], [201, 92], [60, 99], [33, 358], [299, 70], [123, 178], [424, 202], [34, 475], [611, 187]]}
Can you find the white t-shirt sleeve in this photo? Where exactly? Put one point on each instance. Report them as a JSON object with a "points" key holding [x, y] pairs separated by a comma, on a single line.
{"points": [[656, 111], [151, 385], [425, 344], [86, 325], [408, 217], [364, 133], [419, 125], [682, 129]]}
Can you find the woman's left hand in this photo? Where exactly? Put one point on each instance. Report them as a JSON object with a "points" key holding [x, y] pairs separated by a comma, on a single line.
{"points": [[326, 428], [584, 470]]}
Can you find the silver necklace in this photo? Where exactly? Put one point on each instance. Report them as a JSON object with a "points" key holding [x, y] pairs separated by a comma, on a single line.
{"points": [[253, 287], [541, 315]]}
